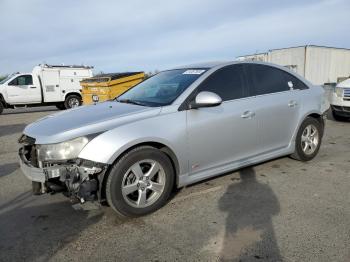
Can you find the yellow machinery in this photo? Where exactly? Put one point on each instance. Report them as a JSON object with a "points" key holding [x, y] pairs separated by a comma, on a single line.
{"points": [[108, 86]]}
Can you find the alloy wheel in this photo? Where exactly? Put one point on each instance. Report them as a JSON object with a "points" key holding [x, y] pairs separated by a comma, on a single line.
{"points": [[309, 139], [73, 102], [143, 183]]}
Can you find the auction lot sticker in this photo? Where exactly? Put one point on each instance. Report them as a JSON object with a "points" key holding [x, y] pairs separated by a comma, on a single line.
{"points": [[193, 72]]}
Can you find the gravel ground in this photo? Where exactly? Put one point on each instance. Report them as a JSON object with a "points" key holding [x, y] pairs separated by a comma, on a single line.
{"points": [[282, 210]]}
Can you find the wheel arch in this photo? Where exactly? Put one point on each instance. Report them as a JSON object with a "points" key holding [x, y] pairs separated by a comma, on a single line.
{"points": [[314, 114], [161, 146], [72, 93], [318, 116]]}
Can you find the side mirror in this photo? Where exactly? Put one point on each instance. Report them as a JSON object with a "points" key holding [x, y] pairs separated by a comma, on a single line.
{"points": [[206, 99]]}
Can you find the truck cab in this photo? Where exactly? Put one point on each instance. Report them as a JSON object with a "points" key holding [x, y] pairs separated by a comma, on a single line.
{"points": [[20, 89], [45, 85], [340, 101]]}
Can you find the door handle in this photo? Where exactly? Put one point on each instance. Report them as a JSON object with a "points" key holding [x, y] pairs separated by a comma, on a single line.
{"points": [[33, 87], [248, 114], [292, 103]]}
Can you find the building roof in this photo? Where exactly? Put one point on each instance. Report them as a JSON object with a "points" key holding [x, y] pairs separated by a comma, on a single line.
{"points": [[319, 46]]}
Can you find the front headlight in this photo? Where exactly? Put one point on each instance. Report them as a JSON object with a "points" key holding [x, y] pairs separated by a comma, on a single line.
{"points": [[62, 151], [339, 91]]}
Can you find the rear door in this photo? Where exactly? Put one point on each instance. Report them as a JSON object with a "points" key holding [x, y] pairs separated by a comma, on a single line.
{"points": [[277, 105], [21, 90], [220, 135], [51, 85]]}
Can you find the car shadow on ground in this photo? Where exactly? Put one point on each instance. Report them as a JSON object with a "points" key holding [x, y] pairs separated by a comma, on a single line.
{"points": [[250, 206], [8, 169], [34, 232], [11, 129]]}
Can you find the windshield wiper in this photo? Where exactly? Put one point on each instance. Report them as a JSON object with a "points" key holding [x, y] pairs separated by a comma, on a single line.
{"points": [[129, 101]]}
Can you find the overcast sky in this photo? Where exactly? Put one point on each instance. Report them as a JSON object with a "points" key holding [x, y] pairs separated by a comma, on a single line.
{"points": [[116, 36]]}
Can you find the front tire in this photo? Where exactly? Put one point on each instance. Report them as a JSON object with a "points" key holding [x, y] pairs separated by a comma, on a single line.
{"points": [[72, 101], [140, 182], [308, 140]]}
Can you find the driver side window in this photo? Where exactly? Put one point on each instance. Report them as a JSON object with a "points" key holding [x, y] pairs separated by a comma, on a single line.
{"points": [[22, 80], [227, 82]]}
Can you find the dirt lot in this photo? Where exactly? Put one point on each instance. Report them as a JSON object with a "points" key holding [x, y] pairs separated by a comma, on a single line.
{"points": [[281, 210]]}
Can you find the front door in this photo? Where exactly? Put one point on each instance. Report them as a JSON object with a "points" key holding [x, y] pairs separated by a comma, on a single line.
{"points": [[221, 135], [22, 91]]}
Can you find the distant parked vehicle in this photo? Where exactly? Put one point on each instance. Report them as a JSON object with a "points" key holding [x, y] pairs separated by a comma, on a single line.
{"points": [[173, 129], [340, 100], [47, 85]]}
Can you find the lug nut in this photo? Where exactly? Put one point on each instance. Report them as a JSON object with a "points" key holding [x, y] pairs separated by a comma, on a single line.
{"points": [[147, 178], [142, 188], [148, 184]]}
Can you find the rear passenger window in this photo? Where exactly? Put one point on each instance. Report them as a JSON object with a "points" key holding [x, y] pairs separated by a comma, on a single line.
{"points": [[267, 79], [297, 84], [227, 82]]}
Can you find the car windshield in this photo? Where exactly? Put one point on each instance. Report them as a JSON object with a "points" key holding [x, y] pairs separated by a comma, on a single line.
{"points": [[161, 89]]}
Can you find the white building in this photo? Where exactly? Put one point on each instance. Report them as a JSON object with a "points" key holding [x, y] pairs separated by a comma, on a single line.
{"points": [[318, 64]]}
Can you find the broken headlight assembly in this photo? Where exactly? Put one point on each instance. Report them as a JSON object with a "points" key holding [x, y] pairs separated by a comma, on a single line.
{"points": [[62, 151]]}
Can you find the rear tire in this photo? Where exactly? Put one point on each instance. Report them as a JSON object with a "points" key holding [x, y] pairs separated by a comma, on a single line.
{"points": [[338, 117], [140, 182], [1, 107], [72, 101], [308, 140]]}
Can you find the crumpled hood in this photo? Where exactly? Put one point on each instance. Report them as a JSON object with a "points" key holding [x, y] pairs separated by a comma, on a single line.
{"points": [[86, 120]]}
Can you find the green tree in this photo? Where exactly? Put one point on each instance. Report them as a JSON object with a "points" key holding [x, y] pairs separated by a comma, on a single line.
{"points": [[2, 77]]}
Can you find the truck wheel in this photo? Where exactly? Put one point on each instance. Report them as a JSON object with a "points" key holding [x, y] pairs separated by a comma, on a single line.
{"points": [[308, 140], [140, 182], [72, 101], [338, 117], [1, 108]]}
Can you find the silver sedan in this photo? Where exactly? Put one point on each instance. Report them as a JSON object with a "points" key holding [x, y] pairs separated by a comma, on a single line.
{"points": [[173, 129]]}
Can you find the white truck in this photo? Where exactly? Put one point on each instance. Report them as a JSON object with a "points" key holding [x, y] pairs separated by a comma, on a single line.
{"points": [[339, 98], [57, 85]]}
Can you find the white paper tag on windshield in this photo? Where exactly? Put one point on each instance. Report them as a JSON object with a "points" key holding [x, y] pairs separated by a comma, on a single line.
{"points": [[193, 72]]}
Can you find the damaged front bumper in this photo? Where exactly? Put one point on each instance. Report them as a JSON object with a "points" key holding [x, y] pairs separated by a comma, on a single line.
{"points": [[77, 178]]}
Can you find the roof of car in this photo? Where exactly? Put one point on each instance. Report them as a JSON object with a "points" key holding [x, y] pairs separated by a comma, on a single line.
{"points": [[218, 64], [223, 63]]}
